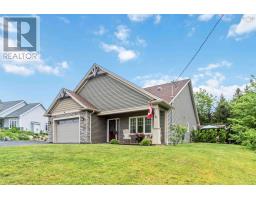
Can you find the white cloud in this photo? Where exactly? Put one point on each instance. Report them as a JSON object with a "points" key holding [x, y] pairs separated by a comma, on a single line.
{"points": [[157, 19], [138, 17], [216, 88], [211, 66], [27, 68], [122, 33], [64, 19], [17, 70], [213, 81], [142, 18], [101, 30], [153, 79], [64, 64], [205, 18], [246, 26], [122, 53]]}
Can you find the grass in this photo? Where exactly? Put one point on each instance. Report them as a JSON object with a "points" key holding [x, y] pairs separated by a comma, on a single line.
{"points": [[124, 164]]}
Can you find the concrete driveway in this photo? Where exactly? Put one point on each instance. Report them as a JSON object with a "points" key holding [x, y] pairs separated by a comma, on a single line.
{"points": [[20, 143]]}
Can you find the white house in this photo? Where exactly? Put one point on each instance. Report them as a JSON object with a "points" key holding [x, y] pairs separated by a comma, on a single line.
{"points": [[27, 117]]}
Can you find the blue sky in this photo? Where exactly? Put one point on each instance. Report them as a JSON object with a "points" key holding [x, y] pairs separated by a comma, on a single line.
{"points": [[144, 49]]}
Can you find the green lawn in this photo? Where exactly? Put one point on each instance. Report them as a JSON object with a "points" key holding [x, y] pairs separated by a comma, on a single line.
{"points": [[123, 164]]}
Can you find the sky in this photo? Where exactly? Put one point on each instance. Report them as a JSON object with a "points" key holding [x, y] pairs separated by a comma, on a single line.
{"points": [[144, 49]]}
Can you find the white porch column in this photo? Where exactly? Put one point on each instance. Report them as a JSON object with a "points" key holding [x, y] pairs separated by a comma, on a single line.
{"points": [[156, 131]]}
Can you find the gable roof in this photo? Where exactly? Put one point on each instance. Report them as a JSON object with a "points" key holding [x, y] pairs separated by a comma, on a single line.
{"points": [[8, 104], [81, 100], [168, 91], [22, 110], [77, 98], [99, 69]]}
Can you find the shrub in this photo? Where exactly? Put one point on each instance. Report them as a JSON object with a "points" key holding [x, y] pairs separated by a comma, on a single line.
{"points": [[23, 136], [246, 138], [177, 134], [114, 141], [210, 136], [146, 142], [15, 134]]}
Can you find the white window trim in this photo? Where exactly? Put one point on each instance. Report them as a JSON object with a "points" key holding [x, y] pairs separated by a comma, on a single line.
{"points": [[144, 124]]}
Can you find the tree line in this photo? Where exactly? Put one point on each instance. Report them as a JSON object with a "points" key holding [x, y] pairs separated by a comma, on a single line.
{"points": [[238, 114]]}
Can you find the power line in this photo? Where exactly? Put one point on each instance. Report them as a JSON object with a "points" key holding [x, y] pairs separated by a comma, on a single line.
{"points": [[201, 46]]}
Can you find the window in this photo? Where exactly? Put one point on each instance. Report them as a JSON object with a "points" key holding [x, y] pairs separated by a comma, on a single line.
{"points": [[148, 125], [140, 124], [132, 125], [12, 123]]}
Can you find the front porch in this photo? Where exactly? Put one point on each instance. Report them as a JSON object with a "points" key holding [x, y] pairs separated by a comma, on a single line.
{"points": [[132, 127]]}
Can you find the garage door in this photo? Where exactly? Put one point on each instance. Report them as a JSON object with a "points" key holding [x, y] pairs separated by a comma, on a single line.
{"points": [[67, 131]]}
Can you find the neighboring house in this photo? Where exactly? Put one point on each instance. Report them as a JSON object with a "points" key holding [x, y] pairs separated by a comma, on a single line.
{"points": [[104, 106], [28, 117]]}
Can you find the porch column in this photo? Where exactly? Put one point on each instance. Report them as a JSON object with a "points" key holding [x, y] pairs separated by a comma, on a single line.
{"points": [[156, 131]]}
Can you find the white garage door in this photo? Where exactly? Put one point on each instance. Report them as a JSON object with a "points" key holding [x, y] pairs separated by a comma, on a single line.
{"points": [[67, 131]]}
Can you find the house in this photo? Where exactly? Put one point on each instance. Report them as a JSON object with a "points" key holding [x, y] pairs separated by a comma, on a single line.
{"points": [[28, 117], [104, 106]]}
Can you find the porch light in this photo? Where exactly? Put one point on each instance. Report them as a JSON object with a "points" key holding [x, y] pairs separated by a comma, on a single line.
{"points": [[82, 119]]}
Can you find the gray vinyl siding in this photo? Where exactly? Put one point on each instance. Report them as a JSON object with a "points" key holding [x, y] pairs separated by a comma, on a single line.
{"points": [[183, 112], [98, 129], [162, 126], [106, 93], [66, 105]]}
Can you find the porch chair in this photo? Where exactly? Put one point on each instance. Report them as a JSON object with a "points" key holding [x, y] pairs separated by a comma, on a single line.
{"points": [[127, 137]]}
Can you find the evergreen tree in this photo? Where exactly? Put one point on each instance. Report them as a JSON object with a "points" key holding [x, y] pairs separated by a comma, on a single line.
{"points": [[222, 111]]}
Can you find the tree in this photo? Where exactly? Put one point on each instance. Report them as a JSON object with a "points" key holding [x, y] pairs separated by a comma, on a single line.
{"points": [[243, 109], [222, 111], [204, 103], [237, 94]]}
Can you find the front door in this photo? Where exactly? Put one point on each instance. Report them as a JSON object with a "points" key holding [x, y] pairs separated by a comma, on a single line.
{"points": [[113, 129]]}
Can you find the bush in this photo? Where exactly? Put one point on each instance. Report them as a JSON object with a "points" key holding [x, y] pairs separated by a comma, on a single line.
{"points": [[23, 136], [114, 141], [15, 134], [210, 136], [177, 134], [246, 138], [146, 142]]}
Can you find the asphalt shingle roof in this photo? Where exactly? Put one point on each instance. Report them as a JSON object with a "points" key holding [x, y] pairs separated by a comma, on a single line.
{"points": [[8, 104], [22, 110], [167, 91]]}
